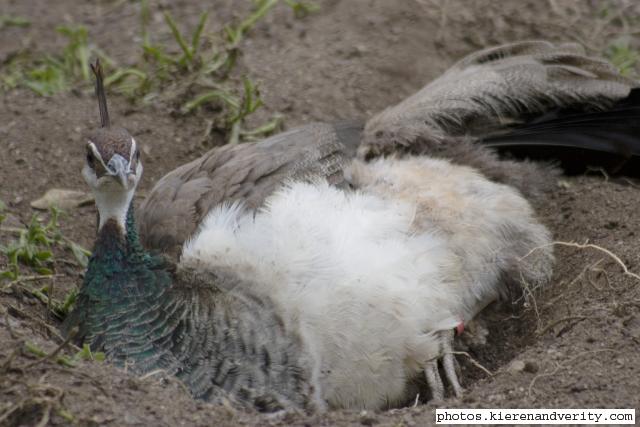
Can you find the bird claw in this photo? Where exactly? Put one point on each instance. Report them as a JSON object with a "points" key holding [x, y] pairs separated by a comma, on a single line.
{"points": [[432, 374]]}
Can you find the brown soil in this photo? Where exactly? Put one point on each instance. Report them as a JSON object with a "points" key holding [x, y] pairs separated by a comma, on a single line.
{"points": [[578, 340]]}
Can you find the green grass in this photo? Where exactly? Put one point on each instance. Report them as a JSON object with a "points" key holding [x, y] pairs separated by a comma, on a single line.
{"points": [[302, 8], [624, 56], [28, 258], [199, 75], [13, 21], [33, 247], [84, 353], [54, 73], [194, 71]]}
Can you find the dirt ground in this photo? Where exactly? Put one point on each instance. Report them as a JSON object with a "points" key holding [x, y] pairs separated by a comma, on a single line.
{"points": [[575, 345]]}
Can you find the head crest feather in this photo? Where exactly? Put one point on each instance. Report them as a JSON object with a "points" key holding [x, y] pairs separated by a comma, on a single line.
{"points": [[102, 97]]}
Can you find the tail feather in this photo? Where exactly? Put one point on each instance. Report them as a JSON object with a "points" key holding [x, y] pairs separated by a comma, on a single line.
{"points": [[579, 139]]}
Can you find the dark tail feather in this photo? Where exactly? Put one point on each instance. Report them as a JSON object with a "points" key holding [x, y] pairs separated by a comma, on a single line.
{"points": [[607, 139]]}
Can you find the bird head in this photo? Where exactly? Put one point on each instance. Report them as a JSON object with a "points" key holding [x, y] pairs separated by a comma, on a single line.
{"points": [[112, 168]]}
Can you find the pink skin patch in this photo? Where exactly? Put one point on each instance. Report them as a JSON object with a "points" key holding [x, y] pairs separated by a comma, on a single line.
{"points": [[459, 328]]}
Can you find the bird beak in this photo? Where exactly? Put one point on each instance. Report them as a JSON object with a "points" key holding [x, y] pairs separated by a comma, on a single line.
{"points": [[118, 167]]}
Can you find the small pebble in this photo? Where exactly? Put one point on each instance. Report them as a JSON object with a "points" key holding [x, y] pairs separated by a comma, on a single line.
{"points": [[367, 419], [516, 366]]}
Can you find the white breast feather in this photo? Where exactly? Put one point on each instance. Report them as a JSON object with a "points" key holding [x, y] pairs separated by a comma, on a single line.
{"points": [[366, 292], [490, 227]]}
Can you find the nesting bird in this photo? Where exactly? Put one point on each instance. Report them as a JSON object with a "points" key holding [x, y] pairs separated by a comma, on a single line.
{"points": [[309, 278]]}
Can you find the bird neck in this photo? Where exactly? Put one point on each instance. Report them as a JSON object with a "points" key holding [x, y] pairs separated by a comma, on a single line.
{"points": [[120, 276], [115, 245], [135, 248], [109, 257]]}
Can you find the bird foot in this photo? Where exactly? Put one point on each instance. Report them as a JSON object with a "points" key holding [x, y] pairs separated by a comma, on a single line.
{"points": [[432, 374]]}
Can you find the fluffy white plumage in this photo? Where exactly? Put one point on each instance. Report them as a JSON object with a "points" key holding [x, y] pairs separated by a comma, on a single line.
{"points": [[489, 227], [369, 277]]}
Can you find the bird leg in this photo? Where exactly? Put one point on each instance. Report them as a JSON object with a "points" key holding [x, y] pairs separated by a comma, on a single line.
{"points": [[449, 361], [434, 381], [432, 374]]}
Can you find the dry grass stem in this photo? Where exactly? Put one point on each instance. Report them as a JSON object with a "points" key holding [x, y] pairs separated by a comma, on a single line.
{"points": [[558, 321], [152, 373], [474, 362], [611, 255]]}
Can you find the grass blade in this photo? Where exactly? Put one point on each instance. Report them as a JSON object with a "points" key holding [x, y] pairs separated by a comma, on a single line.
{"points": [[187, 54], [263, 7], [195, 40], [206, 97]]}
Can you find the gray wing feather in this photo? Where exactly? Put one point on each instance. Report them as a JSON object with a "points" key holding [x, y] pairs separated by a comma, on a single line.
{"points": [[248, 173], [492, 88]]}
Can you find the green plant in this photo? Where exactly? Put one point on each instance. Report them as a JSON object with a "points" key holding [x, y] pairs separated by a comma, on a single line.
{"points": [[75, 56], [59, 308], [46, 79], [84, 353], [198, 74], [189, 57], [38, 352], [13, 21], [623, 56], [235, 33], [249, 103], [33, 247], [54, 73], [302, 8], [32, 251]]}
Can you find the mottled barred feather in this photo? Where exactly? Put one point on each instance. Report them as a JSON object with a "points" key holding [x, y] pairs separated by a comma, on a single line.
{"points": [[220, 344]]}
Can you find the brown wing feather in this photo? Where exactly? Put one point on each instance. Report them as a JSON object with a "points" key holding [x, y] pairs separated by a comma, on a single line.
{"points": [[247, 172]]}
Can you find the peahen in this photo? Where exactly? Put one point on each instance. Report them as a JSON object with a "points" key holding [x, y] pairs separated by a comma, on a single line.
{"points": [[313, 279], [327, 296]]}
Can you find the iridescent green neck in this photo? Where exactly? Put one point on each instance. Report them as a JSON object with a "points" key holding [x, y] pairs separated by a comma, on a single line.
{"points": [[135, 248], [120, 276]]}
